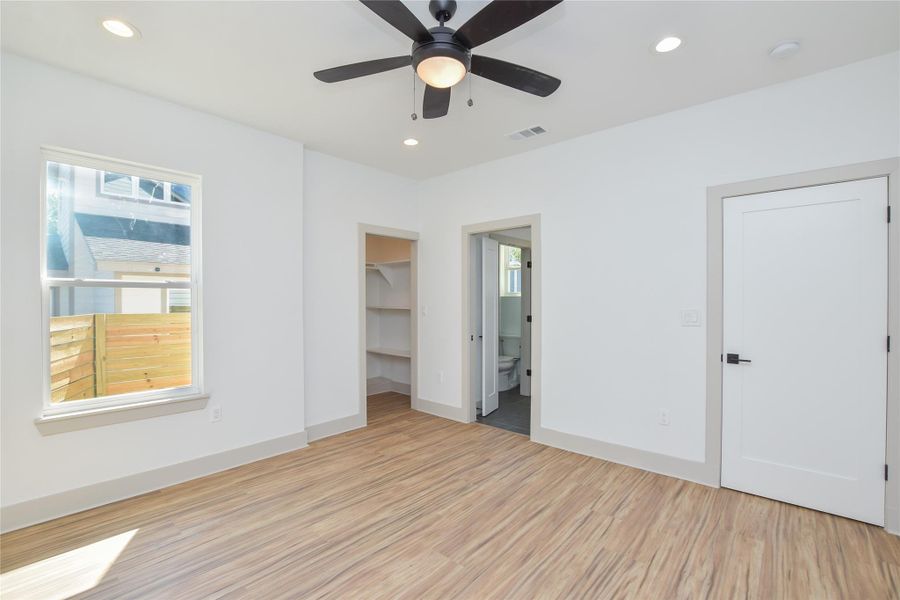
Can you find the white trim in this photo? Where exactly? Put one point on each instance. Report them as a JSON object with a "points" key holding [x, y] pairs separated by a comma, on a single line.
{"points": [[380, 385], [625, 455], [98, 416], [117, 283], [133, 399], [367, 229], [106, 163], [889, 168], [138, 399], [892, 519], [329, 428], [445, 411], [42, 509]]}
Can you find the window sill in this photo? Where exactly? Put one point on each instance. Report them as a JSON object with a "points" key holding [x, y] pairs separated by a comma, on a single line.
{"points": [[110, 415]]}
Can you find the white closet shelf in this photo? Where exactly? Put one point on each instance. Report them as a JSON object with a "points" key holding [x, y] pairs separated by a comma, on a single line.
{"points": [[388, 307], [386, 270], [402, 261], [389, 352]]}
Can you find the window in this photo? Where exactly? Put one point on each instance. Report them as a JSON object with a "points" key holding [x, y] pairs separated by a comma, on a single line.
{"points": [[510, 271], [121, 283]]}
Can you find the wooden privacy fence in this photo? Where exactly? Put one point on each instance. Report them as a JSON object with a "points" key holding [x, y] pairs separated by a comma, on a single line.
{"points": [[100, 355]]}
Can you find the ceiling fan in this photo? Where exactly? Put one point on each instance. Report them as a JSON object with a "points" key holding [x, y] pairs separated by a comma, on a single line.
{"points": [[442, 56]]}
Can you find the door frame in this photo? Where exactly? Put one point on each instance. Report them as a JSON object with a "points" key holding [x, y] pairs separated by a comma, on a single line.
{"points": [[364, 230], [534, 222], [716, 195], [486, 279]]}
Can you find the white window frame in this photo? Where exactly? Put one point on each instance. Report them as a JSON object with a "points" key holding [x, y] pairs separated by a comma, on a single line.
{"points": [[505, 270], [133, 399]]}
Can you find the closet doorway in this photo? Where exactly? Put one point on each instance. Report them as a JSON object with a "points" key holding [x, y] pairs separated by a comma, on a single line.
{"points": [[388, 314]]}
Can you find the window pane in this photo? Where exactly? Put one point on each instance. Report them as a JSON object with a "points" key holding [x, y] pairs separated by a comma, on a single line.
{"points": [[59, 198], [107, 341], [181, 193], [93, 235], [151, 190], [117, 184]]}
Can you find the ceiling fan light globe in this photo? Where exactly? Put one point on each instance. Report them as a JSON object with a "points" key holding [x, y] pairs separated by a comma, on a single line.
{"points": [[441, 71]]}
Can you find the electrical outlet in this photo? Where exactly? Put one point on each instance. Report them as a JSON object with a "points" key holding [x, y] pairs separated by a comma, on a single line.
{"points": [[664, 417], [215, 414]]}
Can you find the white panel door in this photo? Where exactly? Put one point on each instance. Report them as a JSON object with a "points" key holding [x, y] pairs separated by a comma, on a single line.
{"points": [[805, 305], [490, 324]]}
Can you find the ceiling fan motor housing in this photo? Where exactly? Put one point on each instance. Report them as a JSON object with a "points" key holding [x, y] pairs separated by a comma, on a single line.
{"points": [[443, 44], [442, 10]]}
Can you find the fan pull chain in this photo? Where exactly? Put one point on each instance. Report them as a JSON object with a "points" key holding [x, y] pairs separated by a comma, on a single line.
{"points": [[469, 101], [414, 116]]}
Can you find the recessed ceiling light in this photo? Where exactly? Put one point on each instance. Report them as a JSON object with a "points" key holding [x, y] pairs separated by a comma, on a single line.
{"points": [[785, 49], [667, 44], [119, 28], [411, 142]]}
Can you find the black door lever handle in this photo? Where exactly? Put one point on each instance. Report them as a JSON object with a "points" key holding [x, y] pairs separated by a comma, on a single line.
{"points": [[735, 359]]}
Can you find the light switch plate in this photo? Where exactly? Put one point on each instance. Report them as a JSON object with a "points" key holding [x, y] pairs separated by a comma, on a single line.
{"points": [[690, 318]]}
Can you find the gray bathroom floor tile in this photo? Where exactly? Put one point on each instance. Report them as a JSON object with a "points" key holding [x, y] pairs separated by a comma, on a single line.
{"points": [[514, 413]]}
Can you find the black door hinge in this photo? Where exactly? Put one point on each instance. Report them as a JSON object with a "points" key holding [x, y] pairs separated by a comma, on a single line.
{"points": [[528, 372], [889, 343], [528, 318], [885, 472], [528, 264], [889, 213]]}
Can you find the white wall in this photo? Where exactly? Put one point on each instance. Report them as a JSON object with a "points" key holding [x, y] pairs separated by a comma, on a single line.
{"points": [[511, 315], [337, 196], [252, 228], [630, 204]]}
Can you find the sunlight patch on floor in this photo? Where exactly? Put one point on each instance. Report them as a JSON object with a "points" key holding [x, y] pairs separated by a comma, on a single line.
{"points": [[67, 574]]}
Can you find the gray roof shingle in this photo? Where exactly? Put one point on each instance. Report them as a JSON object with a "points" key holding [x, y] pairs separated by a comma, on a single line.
{"points": [[129, 240]]}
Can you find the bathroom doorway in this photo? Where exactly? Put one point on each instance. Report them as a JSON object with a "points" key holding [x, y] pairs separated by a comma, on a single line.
{"points": [[500, 324]]}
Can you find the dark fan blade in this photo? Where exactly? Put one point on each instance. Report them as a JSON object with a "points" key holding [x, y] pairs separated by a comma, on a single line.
{"points": [[436, 103], [396, 13], [515, 76], [361, 69], [499, 17]]}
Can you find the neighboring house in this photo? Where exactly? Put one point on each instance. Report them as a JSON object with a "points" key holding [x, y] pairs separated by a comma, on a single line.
{"points": [[114, 226]]}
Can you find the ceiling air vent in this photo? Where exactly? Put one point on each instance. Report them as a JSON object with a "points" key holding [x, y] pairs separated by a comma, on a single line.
{"points": [[527, 133]]}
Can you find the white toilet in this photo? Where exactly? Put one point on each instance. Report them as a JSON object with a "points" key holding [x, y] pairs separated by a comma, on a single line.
{"points": [[508, 365]]}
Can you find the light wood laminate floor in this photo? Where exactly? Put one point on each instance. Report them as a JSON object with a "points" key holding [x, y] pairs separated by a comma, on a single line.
{"points": [[416, 507]]}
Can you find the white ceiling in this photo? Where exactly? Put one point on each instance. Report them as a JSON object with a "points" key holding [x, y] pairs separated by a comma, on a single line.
{"points": [[521, 233], [253, 63]]}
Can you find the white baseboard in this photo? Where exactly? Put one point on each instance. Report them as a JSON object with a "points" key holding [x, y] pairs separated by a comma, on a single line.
{"points": [[30, 512], [380, 385], [672, 466], [440, 410], [329, 428], [892, 520]]}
